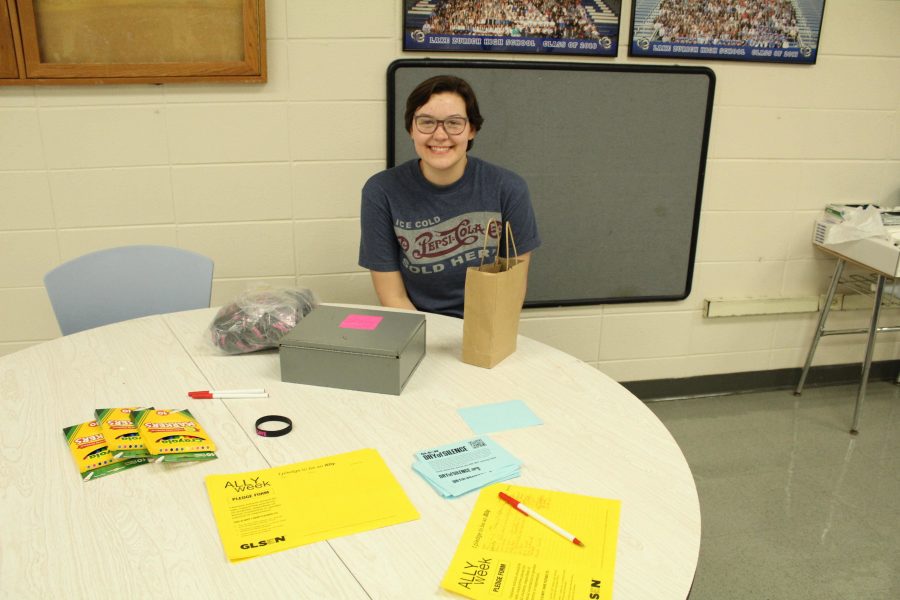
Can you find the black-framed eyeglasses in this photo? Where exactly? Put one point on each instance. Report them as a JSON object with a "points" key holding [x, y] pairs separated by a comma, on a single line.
{"points": [[452, 125]]}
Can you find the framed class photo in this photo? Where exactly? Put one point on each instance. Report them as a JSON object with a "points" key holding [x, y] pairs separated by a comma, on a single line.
{"points": [[583, 27], [782, 31]]}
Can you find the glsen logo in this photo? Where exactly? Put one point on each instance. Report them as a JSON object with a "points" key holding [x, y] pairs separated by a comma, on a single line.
{"points": [[245, 485], [263, 543], [474, 573], [595, 583]]}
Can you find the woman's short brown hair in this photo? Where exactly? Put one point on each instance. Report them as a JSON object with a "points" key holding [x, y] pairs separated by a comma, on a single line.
{"points": [[441, 84]]}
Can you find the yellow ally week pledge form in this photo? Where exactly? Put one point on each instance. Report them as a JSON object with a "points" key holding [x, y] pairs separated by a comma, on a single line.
{"points": [[506, 555], [262, 512]]}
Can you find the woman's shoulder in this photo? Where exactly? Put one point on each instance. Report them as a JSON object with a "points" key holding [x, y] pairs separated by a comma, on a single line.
{"points": [[388, 178], [494, 172]]}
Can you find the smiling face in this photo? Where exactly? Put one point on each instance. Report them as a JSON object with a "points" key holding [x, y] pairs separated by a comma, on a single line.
{"points": [[443, 155]]}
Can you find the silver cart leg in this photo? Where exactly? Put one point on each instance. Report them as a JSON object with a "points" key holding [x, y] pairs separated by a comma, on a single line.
{"points": [[870, 348], [820, 328]]}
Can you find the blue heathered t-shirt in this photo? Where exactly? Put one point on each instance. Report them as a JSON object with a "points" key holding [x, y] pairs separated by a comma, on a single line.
{"points": [[431, 234]]}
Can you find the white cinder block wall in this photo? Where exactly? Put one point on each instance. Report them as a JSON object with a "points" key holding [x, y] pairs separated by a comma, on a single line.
{"points": [[265, 179]]}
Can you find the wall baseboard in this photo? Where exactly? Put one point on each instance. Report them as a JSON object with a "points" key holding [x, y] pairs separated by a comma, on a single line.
{"points": [[758, 381]]}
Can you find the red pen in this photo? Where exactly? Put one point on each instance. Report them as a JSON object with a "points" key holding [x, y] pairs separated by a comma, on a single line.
{"points": [[528, 512]]}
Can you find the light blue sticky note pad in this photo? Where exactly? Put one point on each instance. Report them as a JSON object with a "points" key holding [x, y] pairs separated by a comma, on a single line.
{"points": [[500, 416]]}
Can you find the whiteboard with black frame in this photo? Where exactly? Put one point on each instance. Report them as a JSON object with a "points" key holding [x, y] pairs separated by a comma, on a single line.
{"points": [[614, 157]]}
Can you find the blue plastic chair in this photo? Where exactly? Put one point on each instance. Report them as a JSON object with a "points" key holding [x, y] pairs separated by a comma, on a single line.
{"points": [[127, 282]]}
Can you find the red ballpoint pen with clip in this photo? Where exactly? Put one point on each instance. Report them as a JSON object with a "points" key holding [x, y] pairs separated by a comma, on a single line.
{"points": [[528, 512]]}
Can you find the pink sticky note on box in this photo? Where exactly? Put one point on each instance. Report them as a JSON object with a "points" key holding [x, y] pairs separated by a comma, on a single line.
{"points": [[368, 322]]}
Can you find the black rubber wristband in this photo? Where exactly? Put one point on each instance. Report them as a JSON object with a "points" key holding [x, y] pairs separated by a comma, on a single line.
{"points": [[276, 432]]}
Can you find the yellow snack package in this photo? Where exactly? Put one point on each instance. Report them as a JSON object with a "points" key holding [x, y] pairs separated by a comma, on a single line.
{"points": [[122, 437], [92, 456], [173, 435]]}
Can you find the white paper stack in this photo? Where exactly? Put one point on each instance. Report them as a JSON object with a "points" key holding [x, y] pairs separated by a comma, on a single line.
{"points": [[458, 468]]}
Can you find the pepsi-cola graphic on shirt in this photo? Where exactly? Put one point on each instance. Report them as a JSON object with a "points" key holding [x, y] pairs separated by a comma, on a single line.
{"points": [[435, 246]]}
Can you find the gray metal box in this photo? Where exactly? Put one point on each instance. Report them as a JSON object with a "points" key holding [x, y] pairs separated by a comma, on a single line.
{"points": [[354, 349]]}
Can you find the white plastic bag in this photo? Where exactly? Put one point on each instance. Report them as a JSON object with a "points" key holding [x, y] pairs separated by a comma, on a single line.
{"points": [[858, 223]]}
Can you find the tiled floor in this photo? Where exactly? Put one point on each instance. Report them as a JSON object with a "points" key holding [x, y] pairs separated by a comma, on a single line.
{"points": [[794, 507]]}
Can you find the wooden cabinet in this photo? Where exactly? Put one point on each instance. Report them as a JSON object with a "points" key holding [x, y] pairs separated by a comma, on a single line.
{"points": [[9, 66], [131, 41]]}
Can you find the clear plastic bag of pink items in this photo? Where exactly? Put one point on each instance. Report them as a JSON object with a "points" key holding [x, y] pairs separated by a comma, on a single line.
{"points": [[258, 319]]}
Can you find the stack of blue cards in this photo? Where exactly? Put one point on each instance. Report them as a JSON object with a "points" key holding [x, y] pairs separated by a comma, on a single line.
{"points": [[458, 468]]}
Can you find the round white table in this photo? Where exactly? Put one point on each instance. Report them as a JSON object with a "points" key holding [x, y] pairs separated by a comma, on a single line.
{"points": [[149, 532]]}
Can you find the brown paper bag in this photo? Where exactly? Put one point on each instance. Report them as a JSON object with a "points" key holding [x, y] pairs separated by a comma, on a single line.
{"points": [[493, 302]]}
